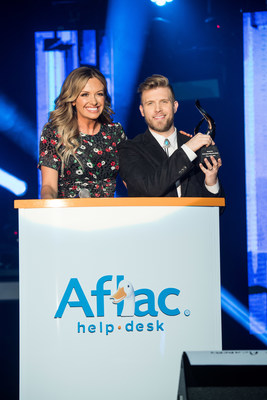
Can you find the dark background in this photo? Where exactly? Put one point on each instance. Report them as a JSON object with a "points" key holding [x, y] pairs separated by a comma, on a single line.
{"points": [[186, 47]]}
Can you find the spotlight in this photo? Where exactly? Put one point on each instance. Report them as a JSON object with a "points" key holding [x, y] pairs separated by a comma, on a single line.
{"points": [[161, 3], [13, 184]]}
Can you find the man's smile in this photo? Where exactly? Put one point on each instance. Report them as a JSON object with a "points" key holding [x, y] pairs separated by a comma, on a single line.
{"points": [[159, 116]]}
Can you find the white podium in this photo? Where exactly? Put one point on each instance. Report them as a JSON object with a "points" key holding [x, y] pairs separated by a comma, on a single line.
{"points": [[112, 291]]}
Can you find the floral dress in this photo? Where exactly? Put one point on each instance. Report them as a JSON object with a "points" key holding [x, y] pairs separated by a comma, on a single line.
{"points": [[98, 166]]}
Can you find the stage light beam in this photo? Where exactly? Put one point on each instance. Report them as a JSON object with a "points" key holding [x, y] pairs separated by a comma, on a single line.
{"points": [[12, 183], [17, 127], [128, 44], [238, 312]]}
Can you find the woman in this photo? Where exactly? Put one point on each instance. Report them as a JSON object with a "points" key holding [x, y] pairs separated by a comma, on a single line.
{"points": [[78, 147]]}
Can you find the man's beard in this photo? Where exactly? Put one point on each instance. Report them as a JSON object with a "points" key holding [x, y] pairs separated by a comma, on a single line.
{"points": [[158, 127]]}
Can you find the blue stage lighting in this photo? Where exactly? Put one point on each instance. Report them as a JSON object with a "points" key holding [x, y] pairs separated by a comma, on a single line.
{"points": [[17, 127], [239, 313], [161, 3], [128, 46], [13, 184]]}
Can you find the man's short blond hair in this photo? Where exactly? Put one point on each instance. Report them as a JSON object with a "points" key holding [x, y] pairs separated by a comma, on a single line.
{"points": [[153, 82]]}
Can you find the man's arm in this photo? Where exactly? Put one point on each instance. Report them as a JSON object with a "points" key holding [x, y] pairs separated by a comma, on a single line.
{"points": [[147, 176]]}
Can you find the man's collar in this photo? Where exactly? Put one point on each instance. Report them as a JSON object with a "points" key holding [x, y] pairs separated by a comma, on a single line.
{"points": [[160, 138]]}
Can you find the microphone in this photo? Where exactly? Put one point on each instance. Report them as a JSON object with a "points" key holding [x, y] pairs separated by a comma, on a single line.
{"points": [[84, 193]]}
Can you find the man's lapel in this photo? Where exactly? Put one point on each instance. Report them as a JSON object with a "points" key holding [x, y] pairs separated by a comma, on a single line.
{"points": [[184, 183], [153, 147]]}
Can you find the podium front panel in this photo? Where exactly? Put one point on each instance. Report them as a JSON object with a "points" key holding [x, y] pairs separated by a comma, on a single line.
{"points": [[77, 339]]}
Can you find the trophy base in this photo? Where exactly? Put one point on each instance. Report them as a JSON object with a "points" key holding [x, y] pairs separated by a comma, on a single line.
{"points": [[206, 152]]}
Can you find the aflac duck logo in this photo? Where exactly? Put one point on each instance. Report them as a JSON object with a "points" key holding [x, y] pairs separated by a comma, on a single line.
{"points": [[125, 293], [130, 303]]}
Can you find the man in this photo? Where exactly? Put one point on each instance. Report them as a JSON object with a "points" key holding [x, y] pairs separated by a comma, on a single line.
{"points": [[162, 162]]}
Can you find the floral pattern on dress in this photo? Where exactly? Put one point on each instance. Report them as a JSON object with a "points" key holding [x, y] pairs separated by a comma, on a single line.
{"points": [[98, 166]]}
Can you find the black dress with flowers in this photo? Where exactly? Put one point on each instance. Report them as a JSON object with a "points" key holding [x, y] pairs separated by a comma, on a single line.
{"points": [[98, 166]]}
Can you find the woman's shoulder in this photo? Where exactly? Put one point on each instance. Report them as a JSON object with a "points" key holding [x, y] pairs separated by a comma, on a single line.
{"points": [[49, 130], [114, 129]]}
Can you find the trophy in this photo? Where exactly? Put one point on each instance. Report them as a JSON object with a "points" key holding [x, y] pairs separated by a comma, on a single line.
{"points": [[212, 150]]}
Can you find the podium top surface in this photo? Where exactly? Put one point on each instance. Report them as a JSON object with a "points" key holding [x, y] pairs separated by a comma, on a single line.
{"points": [[123, 202]]}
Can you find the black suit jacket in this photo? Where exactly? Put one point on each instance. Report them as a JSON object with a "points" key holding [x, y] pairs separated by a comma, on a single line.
{"points": [[149, 172]]}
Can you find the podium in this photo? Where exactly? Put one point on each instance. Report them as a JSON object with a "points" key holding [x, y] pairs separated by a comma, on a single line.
{"points": [[112, 292]]}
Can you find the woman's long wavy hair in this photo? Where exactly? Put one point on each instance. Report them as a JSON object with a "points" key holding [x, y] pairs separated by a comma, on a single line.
{"points": [[64, 117]]}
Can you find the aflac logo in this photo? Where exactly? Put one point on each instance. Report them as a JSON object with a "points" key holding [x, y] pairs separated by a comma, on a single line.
{"points": [[125, 293], [130, 302]]}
